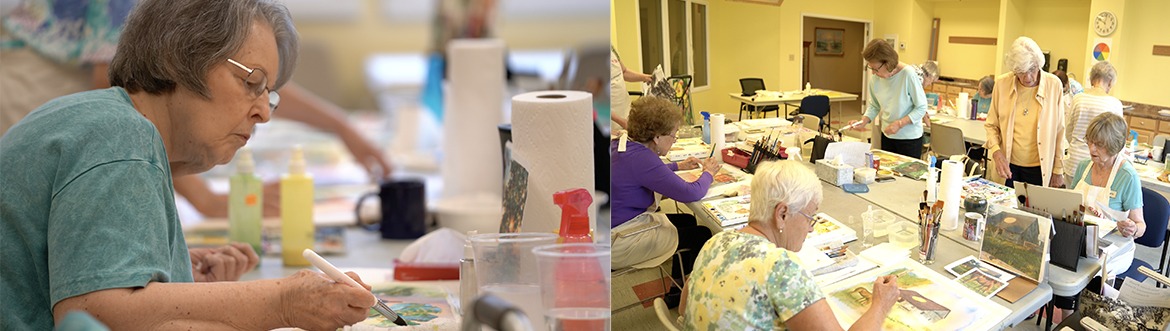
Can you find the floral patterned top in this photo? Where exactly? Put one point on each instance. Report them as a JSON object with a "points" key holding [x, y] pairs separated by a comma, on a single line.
{"points": [[68, 31], [743, 282]]}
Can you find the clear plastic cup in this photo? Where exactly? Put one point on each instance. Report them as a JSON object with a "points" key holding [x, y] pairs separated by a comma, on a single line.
{"points": [[575, 286], [506, 266]]}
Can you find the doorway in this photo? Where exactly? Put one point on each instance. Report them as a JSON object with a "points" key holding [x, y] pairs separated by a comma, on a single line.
{"points": [[837, 69]]}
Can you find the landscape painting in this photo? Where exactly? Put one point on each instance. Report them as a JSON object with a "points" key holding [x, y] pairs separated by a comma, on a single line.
{"points": [[1013, 241], [928, 301]]}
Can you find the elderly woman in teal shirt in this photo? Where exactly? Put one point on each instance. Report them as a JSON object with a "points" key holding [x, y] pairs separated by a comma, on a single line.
{"points": [[896, 96], [87, 213]]}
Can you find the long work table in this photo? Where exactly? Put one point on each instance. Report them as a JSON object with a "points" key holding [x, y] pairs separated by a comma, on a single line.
{"points": [[897, 198]]}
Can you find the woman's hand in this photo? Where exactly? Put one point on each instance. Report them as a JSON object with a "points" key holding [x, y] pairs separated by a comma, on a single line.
{"points": [[366, 154], [886, 292], [712, 165], [1001, 164], [689, 163], [861, 123], [895, 126], [311, 301], [224, 263], [1056, 181], [1127, 228]]}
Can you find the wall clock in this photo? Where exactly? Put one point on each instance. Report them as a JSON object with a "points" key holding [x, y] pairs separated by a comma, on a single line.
{"points": [[1105, 23]]}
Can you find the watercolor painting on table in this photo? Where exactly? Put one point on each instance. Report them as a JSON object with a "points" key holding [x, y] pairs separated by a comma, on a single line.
{"points": [[724, 176], [928, 301], [1013, 241], [423, 307], [981, 283]]}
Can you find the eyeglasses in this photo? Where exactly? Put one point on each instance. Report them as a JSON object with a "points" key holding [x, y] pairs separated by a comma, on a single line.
{"points": [[879, 68], [812, 221], [257, 82]]}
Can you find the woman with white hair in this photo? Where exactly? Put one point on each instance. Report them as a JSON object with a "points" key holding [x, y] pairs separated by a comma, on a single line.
{"points": [[1025, 121], [1086, 106], [749, 279]]}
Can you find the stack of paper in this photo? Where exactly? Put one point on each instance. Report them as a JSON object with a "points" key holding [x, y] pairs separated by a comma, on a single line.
{"points": [[828, 230]]}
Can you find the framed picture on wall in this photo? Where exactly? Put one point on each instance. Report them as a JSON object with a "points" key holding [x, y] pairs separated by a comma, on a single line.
{"points": [[830, 41]]}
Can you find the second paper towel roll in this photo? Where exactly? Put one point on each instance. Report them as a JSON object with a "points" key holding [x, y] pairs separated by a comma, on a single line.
{"points": [[474, 107], [949, 189], [553, 136]]}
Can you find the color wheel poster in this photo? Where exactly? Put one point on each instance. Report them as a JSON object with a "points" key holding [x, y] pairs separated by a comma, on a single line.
{"points": [[1100, 49]]}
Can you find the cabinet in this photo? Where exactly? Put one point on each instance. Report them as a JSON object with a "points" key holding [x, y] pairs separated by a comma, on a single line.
{"points": [[1147, 128]]}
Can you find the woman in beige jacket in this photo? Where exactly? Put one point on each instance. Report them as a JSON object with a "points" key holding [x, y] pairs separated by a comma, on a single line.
{"points": [[1025, 123]]}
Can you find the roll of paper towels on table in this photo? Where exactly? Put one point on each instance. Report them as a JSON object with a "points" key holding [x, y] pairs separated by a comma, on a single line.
{"points": [[949, 192], [718, 139], [553, 136], [474, 107]]}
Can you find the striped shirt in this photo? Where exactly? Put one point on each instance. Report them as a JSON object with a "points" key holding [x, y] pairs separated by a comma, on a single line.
{"points": [[1085, 107]]}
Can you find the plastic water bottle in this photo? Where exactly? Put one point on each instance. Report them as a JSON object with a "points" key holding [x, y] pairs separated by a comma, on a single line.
{"points": [[807, 87], [866, 230]]}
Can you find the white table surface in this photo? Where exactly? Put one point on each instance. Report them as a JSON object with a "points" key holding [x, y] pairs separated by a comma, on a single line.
{"points": [[973, 130], [759, 100]]}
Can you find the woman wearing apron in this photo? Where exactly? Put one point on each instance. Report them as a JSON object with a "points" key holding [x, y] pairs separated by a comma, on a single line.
{"points": [[1110, 187], [643, 237]]}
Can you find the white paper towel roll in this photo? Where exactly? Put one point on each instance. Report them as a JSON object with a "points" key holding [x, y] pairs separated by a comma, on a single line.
{"points": [[473, 107], [963, 105], [553, 136], [718, 139], [949, 189]]}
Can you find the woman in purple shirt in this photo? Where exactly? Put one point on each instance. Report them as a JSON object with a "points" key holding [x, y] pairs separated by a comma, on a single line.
{"points": [[642, 236]]}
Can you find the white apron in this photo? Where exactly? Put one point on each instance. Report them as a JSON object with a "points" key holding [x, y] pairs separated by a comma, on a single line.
{"points": [[644, 241], [1097, 198]]}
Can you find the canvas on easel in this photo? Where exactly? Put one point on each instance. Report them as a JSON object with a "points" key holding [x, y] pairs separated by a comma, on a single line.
{"points": [[515, 196], [1015, 241]]}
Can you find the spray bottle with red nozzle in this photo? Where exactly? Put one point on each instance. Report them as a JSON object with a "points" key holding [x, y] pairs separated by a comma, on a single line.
{"points": [[574, 215], [581, 283]]}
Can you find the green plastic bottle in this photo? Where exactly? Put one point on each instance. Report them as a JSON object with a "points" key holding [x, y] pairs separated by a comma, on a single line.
{"points": [[296, 211], [245, 202]]}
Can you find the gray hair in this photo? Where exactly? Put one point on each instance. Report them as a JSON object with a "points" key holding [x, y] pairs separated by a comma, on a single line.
{"points": [[1102, 72], [167, 43], [930, 69], [1107, 130], [789, 182], [987, 84], [1024, 56]]}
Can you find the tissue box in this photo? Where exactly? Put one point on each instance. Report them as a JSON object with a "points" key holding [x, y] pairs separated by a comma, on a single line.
{"points": [[834, 173]]}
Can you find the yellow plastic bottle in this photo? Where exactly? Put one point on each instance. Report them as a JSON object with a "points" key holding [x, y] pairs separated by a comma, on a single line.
{"points": [[296, 211], [245, 203]]}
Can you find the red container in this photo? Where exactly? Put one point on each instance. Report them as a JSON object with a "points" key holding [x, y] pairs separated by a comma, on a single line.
{"points": [[425, 271], [736, 157]]}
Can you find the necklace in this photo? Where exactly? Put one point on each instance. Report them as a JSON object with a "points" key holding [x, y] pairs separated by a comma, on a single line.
{"points": [[1025, 111]]}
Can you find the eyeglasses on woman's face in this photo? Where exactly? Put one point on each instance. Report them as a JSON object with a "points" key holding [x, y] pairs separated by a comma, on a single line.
{"points": [[876, 70], [812, 220], [256, 82]]}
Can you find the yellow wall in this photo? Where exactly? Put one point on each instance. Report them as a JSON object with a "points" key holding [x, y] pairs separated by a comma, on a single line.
{"points": [[838, 73], [1011, 26], [967, 19], [1055, 26], [754, 40], [353, 41], [1143, 77], [624, 36]]}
